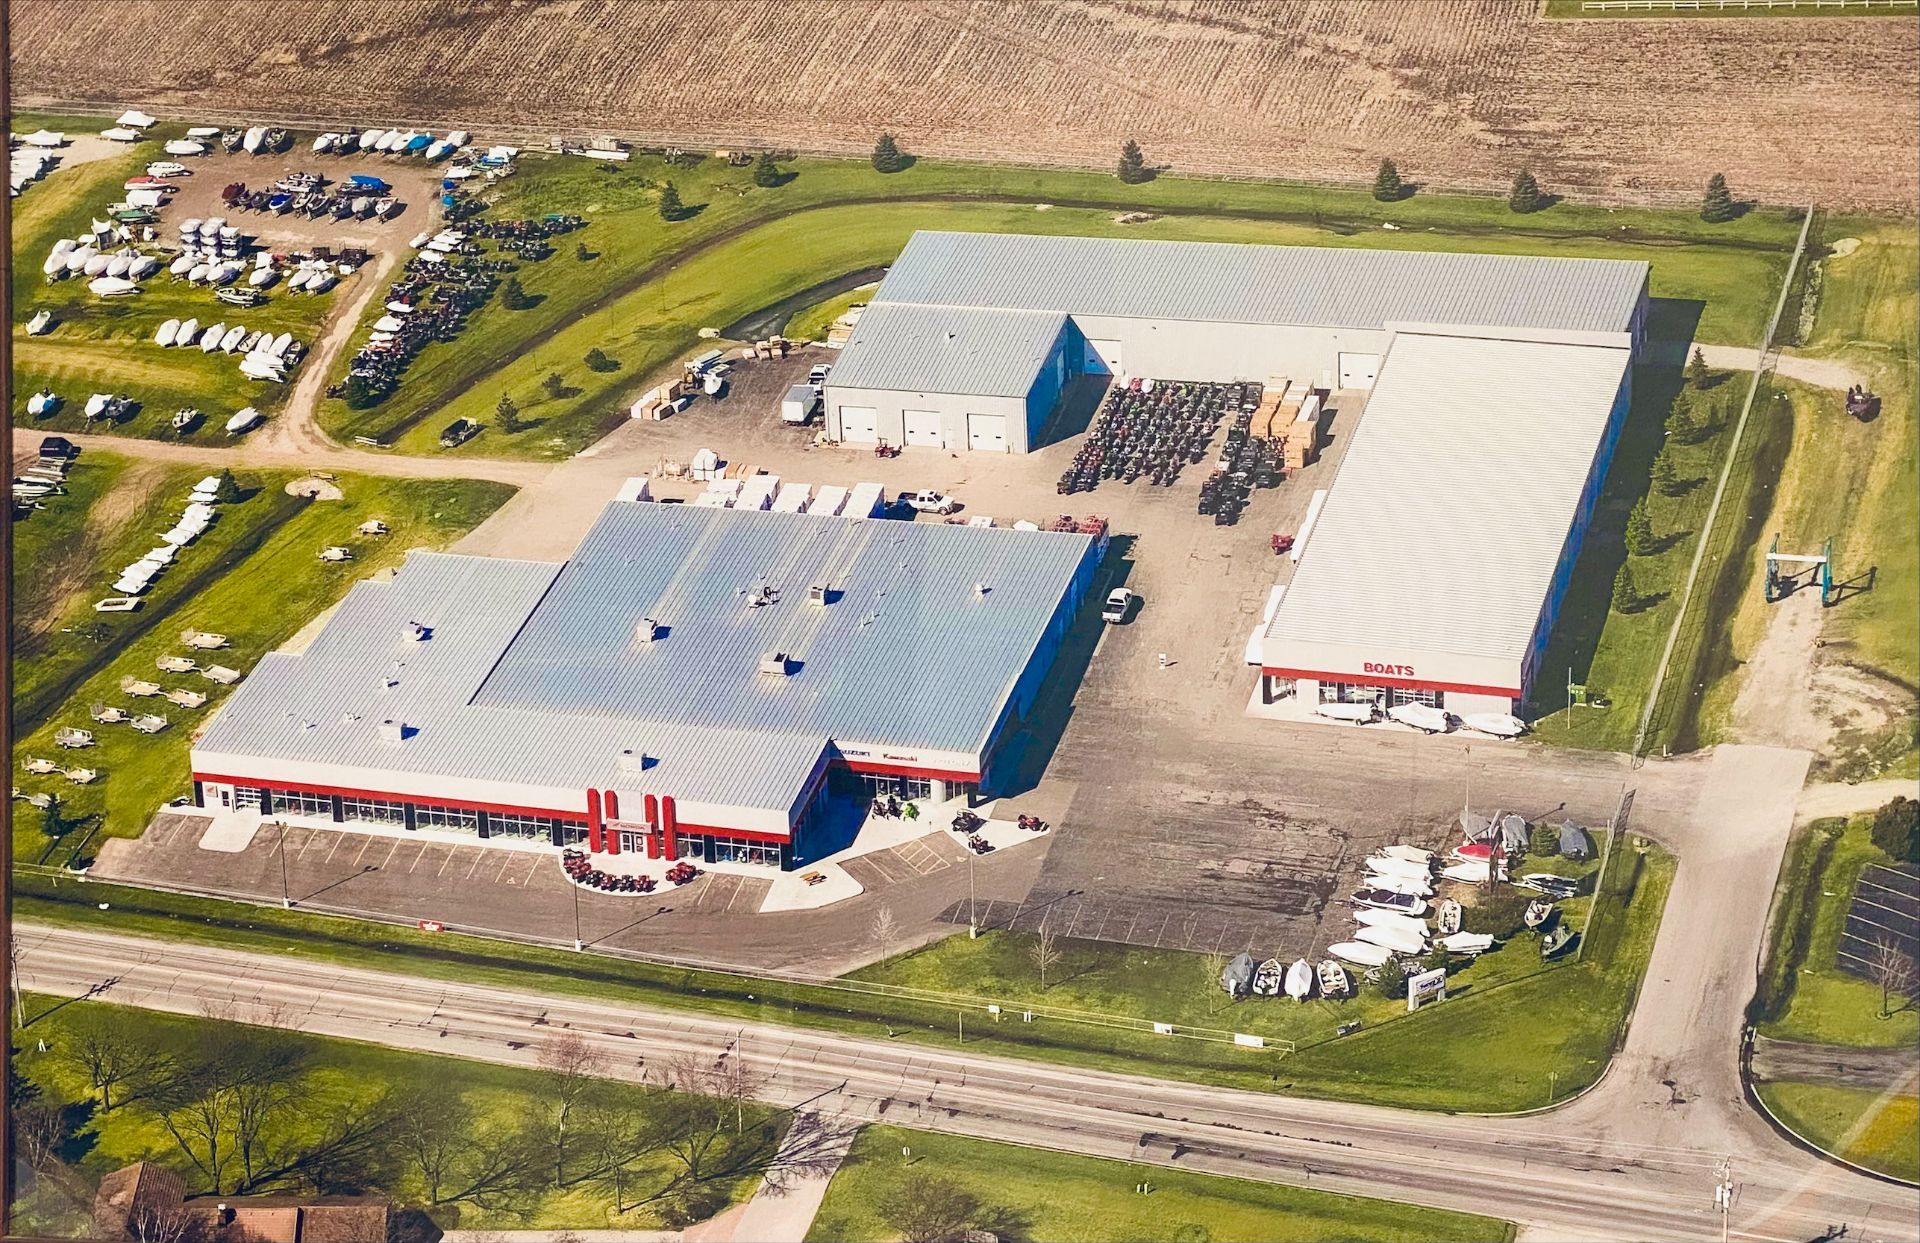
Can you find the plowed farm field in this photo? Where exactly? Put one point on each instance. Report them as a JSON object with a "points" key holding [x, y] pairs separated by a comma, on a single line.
{"points": [[1459, 92]]}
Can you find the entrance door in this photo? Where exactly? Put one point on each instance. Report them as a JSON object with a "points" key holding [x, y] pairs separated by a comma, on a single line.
{"points": [[632, 843], [1358, 370], [1103, 356], [859, 425], [246, 798], [923, 428], [987, 433]]}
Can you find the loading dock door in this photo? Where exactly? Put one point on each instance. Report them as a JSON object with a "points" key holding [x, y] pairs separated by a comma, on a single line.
{"points": [[987, 432], [1358, 370], [923, 428], [1103, 356], [859, 425]]}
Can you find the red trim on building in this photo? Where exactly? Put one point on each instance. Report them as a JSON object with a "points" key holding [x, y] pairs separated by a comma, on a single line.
{"points": [[391, 796], [1405, 684], [669, 828], [903, 770], [596, 825]]}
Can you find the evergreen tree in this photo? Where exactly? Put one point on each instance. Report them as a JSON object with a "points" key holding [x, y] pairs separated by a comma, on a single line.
{"points": [[1525, 195], [1133, 165], [597, 360], [509, 414], [1697, 373], [362, 393], [1718, 206], [52, 823], [1625, 594], [513, 296], [555, 384], [1896, 829], [1639, 532], [1664, 476], [227, 492], [886, 155], [581, 252], [1387, 186], [1392, 980], [1680, 423], [671, 208], [765, 171]]}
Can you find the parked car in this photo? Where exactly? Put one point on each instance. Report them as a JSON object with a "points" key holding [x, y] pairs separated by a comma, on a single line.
{"points": [[458, 432], [818, 376], [1119, 605], [930, 502], [58, 448]]}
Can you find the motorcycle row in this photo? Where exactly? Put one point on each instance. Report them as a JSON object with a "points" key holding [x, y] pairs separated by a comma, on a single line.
{"points": [[1153, 428]]}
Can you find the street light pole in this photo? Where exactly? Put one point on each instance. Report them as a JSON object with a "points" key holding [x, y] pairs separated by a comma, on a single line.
{"points": [[286, 893], [578, 945]]}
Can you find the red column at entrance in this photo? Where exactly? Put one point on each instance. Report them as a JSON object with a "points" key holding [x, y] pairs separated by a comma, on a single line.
{"points": [[670, 827], [596, 827], [611, 802]]}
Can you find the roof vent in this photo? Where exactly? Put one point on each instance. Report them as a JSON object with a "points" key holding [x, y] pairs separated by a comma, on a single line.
{"points": [[393, 732], [818, 595], [646, 631], [761, 596], [633, 762], [416, 633], [775, 663], [389, 681], [980, 591]]}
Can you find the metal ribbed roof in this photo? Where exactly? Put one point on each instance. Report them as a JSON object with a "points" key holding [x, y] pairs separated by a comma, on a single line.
{"points": [[324, 705], [1224, 282], [942, 349], [531, 672], [905, 654], [1455, 499]]}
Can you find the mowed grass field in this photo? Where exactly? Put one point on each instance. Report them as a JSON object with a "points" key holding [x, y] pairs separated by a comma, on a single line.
{"points": [[1812, 1000], [1878, 1130], [653, 283], [1447, 1058], [255, 577], [105, 345], [340, 1074], [1027, 1193]]}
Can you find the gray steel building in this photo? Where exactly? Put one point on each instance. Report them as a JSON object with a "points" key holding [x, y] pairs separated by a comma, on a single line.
{"points": [[972, 337]]}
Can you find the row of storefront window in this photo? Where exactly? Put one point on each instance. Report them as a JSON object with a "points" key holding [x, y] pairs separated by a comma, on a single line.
{"points": [[1386, 696], [393, 812]]}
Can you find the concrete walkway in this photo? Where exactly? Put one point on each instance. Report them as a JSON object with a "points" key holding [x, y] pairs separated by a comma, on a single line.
{"points": [[1840, 799], [784, 1213]]}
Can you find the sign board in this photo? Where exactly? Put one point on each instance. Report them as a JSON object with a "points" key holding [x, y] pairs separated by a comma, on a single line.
{"points": [[1163, 1029], [1251, 1042], [1426, 986], [432, 925]]}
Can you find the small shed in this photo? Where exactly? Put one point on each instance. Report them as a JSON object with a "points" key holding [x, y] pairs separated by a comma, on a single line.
{"points": [[1574, 842]]}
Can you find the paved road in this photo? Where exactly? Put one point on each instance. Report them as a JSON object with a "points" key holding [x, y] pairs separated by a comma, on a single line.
{"points": [[1556, 1175], [1881, 1069]]}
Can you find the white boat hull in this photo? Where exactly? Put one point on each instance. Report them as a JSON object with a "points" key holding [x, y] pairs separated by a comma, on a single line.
{"points": [[1360, 953]]}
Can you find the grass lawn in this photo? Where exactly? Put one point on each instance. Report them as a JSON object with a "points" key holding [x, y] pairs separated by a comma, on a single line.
{"points": [[105, 345], [1028, 1193], [52, 545], [654, 283], [812, 324], [1613, 651], [1859, 1124], [501, 1099], [219, 583], [1808, 997], [1390, 1063]]}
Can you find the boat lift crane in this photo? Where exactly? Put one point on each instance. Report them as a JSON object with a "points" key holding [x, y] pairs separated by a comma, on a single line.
{"points": [[1780, 582]]}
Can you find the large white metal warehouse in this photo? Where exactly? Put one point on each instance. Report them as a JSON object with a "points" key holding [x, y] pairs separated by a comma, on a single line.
{"points": [[1436, 568], [972, 337]]}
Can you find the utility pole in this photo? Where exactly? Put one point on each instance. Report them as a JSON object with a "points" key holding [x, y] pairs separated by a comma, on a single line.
{"points": [[1599, 893], [973, 911], [578, 944], [286, 893], [1723, 1194]]}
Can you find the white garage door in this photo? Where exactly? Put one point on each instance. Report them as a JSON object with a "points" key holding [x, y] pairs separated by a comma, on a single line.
{"points": [[1358, 370], [858, 425], [1103, 356], [987, 432], [923, 428]]}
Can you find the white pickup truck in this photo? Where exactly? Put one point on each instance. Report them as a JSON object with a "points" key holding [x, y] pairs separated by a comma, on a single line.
{"points": [[930, 502]]}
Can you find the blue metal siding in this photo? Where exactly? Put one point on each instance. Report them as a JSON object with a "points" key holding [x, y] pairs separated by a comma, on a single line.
{"points": [[1048, 383]]}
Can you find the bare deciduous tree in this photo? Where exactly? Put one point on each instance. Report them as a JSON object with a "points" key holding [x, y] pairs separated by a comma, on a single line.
{"points": [[929, 1208], [1046, 952], [1891, 967], [575, 1066], [38, 1129], [111, 1052], [154, 1220], [886, 929]]}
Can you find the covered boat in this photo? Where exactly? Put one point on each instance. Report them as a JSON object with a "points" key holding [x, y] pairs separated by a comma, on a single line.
{"points": [[1423, 717], [112, 286], [1498, 724], [243, 420], [167, 332], [189, 331], [1399, 940], [1360, 953], [1467, 943], [185, 146], [1357, 714], [1300, 979]]}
